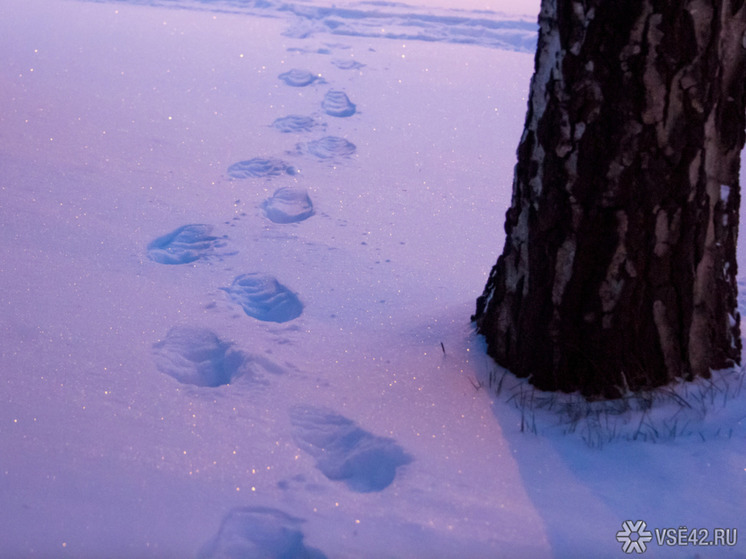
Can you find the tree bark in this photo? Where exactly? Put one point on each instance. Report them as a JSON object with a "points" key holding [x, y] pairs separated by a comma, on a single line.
{"points": [[619, 266]]}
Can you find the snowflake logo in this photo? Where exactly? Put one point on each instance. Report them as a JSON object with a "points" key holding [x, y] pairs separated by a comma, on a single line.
{"points": [[634, 536]]}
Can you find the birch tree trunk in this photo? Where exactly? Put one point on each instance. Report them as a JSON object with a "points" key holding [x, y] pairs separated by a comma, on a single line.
{"points": [[619, 266]]}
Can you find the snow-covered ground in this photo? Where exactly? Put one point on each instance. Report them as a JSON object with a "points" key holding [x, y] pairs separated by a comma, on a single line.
{"points": [[241, 242]]}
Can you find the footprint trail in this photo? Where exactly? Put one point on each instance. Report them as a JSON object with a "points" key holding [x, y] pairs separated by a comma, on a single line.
{"points": [[330, 147], [264, 298], [288, 205], [294, 123], [345, 452], [185, 244], [346, 64], [259, 168], [300, 78], [197, 356], [336, 103], [194, 355], [259, 533]]}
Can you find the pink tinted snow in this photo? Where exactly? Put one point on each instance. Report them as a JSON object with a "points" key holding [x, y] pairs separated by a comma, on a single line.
{"points": [[120, 123]]}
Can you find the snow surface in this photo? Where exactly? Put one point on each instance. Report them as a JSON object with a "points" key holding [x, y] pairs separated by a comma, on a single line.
{"points": [[236, 310]]}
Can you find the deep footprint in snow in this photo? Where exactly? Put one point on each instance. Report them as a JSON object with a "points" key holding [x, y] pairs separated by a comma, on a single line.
{"points": [[300, 78], [330, 147], [264, 298], [185, 244], [336, 103], [194, 355], [345, 452], [259, 168], [288, 205], [294, 123], [346, 64], [259, 533]]}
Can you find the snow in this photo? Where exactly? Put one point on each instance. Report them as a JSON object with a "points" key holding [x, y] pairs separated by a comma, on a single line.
{"points": [[724, 193], [236, 323]]}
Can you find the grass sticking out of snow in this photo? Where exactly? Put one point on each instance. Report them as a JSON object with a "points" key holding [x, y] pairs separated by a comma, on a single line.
{"points": [[705, 409]]}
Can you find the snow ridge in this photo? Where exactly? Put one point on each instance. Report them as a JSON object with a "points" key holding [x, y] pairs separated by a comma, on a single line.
{"points": [[389, 20]]}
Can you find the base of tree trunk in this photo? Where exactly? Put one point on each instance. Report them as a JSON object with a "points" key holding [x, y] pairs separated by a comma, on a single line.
{"points": [[619, 266]]}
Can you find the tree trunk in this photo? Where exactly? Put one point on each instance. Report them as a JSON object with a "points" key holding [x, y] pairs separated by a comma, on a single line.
{"points": [[619, 266]]}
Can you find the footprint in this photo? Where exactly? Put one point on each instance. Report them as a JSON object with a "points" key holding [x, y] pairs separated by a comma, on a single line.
{"points": [[194, 355], [259, 533], [258, 168], [345, 452], [294, 123], [330, 147], [336, 103], [288, 205], [264, 298], [185, 244], [300, 78], [344, 64]]}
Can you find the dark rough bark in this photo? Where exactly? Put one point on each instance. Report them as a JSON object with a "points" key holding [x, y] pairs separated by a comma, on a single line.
{"points": [[619, 267]]}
